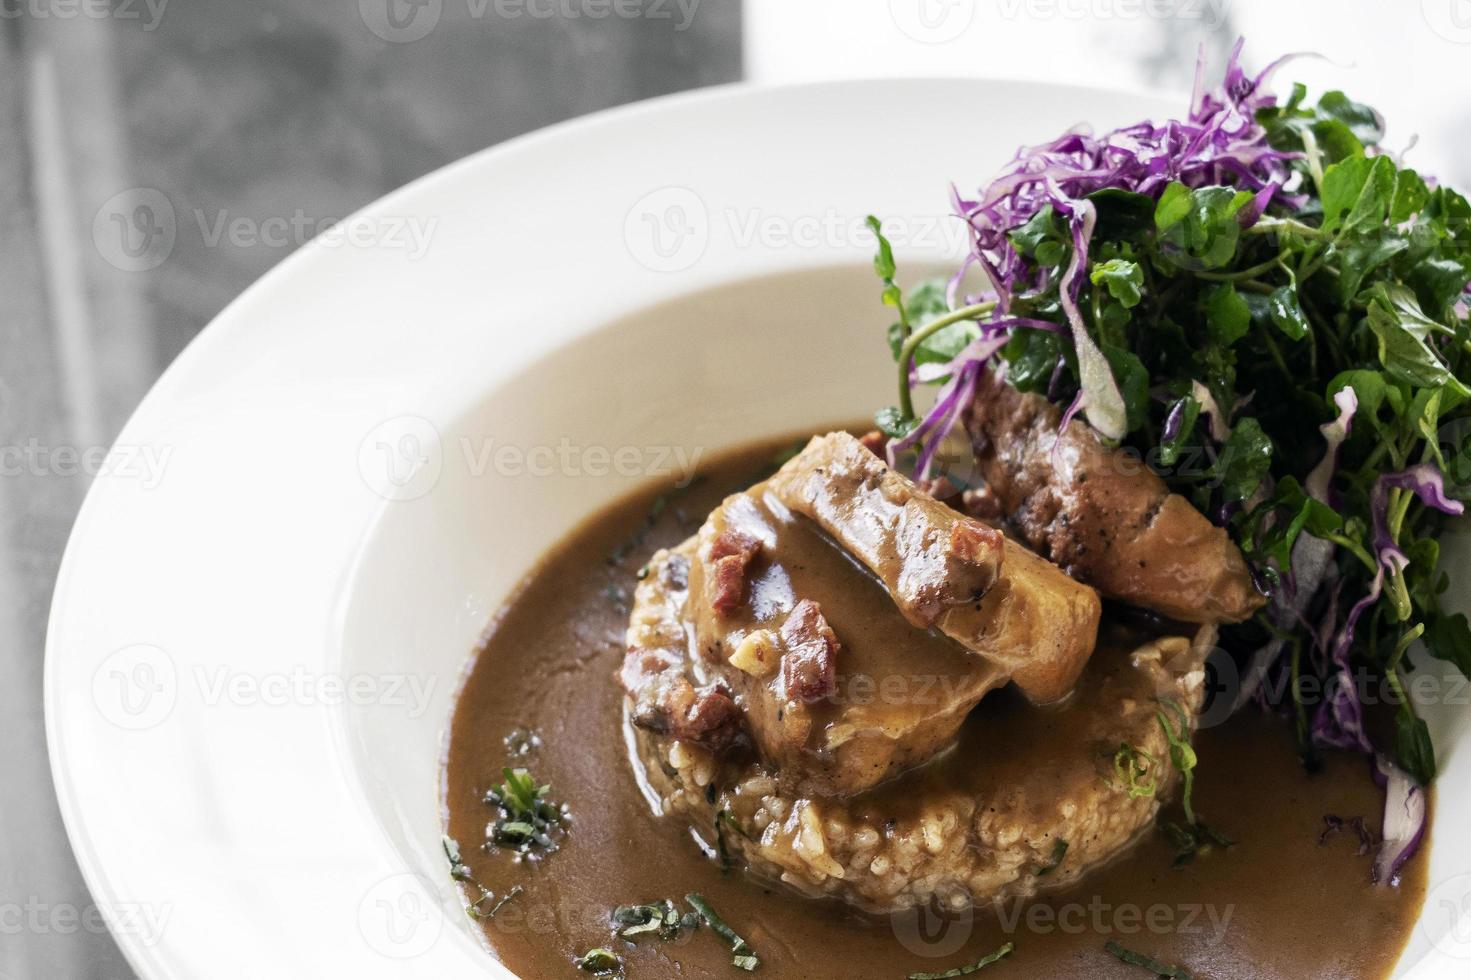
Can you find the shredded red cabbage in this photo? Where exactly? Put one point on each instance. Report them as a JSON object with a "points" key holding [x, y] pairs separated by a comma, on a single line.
{"points": [[1340, 720], [1404, 820], [1218, 142]]}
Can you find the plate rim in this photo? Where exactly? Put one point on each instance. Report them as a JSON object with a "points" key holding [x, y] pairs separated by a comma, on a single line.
{"points": [[145, 958]]}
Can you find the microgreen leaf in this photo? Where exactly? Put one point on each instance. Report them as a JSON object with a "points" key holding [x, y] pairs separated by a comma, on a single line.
{"points": [[1244, 460], [1227, 314], [1123, 280]]}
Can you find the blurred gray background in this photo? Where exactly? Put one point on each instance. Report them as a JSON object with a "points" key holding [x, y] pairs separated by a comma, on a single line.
{"points": [[284, 113], [279, 115]]}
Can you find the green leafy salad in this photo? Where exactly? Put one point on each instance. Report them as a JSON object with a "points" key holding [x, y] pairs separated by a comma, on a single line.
{"points": [[1268, 307]]}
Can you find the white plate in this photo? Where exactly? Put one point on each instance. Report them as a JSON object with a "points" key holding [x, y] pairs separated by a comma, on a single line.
{"points": [[251, 660]]}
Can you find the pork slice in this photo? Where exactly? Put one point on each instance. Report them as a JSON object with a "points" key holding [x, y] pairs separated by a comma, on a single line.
{"points": [[838, 689], [1103, 515], [988, 593]]}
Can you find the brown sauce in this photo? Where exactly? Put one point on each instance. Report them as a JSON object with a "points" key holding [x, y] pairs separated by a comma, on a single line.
{"points": [[1277, 904]]}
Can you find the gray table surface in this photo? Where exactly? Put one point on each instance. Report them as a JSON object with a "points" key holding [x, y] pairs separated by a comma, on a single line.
{"points": [[293, 110]]}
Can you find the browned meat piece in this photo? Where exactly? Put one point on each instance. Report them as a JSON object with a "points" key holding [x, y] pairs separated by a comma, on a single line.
{"points": [[839, 691], [905, 537], [950, 611], [1102, 515], [985, 592], [809, 660], [731, 554], [655, 675]]}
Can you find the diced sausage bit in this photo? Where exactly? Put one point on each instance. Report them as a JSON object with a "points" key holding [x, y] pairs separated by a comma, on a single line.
{"points": [[809, 665], [713, 720], [731, 554], [973, 543]]}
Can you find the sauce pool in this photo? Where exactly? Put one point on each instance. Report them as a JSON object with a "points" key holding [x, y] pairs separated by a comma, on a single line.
{"points": [[1276, 904]]}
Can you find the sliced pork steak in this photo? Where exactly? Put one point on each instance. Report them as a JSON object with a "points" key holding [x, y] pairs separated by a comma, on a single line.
{"points": [[989, 594], [839, 691], [1101, 514]]}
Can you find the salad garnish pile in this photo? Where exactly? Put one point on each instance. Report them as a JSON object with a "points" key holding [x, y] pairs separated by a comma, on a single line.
{"points": [[1271, 309]]}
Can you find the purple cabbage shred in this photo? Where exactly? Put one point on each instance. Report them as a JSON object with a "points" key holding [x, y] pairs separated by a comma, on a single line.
{"points": [[1218, 142]]}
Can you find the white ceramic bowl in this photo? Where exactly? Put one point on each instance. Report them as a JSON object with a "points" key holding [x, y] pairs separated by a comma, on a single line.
{"points": [[252, 660]]}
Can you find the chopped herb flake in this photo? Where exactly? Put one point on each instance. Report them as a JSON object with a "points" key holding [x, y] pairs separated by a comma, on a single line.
{"points": [[1059, 851], [1182, 754], [527, 818], [965, 971], [725, 819], [742, 955], [1131, 765], [600, 961], [1147, 962]]}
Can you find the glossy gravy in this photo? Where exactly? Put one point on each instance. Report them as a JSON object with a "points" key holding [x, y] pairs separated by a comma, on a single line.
{"points": [[1277, 904]]}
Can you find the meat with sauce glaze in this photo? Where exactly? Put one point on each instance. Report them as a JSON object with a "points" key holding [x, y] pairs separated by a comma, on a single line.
{"points": [[1101, 514]]}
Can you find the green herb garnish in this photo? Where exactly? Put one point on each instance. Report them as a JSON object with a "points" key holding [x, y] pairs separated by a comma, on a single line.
{"points": [[460, 872], [600, 961], [1284, 341], [724, 819], [527, 818], [1182, 754], [741, 953], [965, 971], [662, 918], [1190, 840], [1130, 766], [1059, 851], [1147, 962]]}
